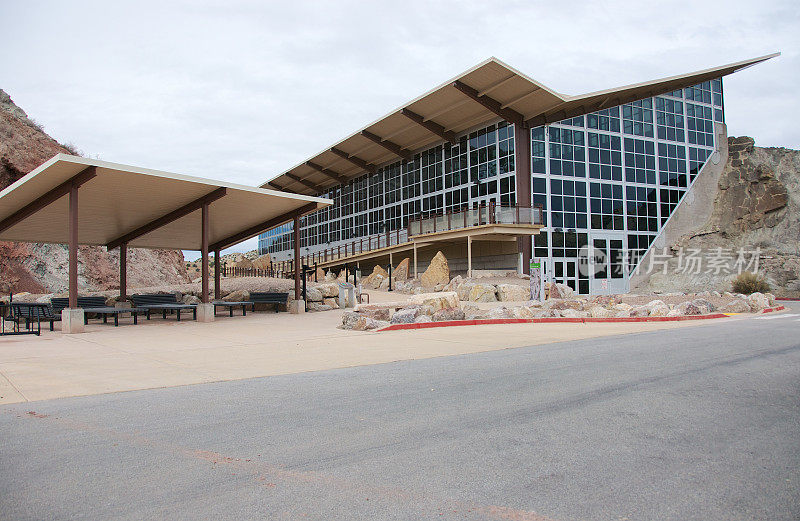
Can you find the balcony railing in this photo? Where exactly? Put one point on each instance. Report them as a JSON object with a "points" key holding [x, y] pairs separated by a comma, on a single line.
{"points": [[448, 221], [467, 218]]}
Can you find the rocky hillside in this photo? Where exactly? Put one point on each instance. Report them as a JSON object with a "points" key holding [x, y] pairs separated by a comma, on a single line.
{"points": [[756, 207], [41, 268]]}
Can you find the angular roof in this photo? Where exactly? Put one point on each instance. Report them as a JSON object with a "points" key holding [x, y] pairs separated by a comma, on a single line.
{"points": [[143, 207], [489, 90]]}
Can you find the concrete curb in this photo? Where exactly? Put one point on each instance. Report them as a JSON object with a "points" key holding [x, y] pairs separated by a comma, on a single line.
{"points": [[788, 299], [483, 322], [772, 310]]}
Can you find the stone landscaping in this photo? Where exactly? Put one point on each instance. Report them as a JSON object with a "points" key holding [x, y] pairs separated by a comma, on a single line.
{"points": [[447, 306]]}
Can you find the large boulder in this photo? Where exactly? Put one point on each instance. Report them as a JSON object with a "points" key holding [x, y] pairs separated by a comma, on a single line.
{"points": [[574, 313], [560, 291], [438, 272], [482, 293], [376, 311], [736, 306], [244, 263], [501, 312], [328, 290], [640, 311], [330, 302], [190, 299], [406, 315], [437, 301], [454, 284], [472, 312], [522, 312], [239, 295], [704, 306], [659, 310], [400, 272], [319, 306], [349, 319], [263, 262], [313, 295], [367, 324], [375, 278], [600, 312], [687, 308], [330, 276], [447, 314], [757, 301], [513, 293]]}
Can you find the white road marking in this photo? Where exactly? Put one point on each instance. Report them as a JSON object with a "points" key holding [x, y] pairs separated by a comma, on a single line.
{"points": [[784, 315]]}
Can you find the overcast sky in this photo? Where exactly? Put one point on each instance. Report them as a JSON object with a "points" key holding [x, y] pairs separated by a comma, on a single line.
{"points": [[243, 90]]}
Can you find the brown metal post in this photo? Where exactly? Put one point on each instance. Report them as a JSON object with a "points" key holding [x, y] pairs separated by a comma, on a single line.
{"points": [[123, 271], [522, 160], [217, 276], [204, 253], [73, 246], [297, 258]]}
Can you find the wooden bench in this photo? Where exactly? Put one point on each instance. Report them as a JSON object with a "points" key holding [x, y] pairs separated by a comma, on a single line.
{"points": [[162, 301], [257, 297]]}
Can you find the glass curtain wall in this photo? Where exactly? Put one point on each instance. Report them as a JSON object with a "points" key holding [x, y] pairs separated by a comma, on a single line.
{"points": [[623, 169]]}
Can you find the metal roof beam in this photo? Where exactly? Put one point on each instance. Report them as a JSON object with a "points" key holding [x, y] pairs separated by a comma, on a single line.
{"points": [[355, 160], [431, 126], [305, 183], [391, 146], [339, 178], [280, 188], [48, 198], [168, 218], [510, 115], [261, 227]]}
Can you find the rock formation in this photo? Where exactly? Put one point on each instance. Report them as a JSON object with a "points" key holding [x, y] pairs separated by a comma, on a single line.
{"points": [[42, 268], [438, 272], [757, 207]]}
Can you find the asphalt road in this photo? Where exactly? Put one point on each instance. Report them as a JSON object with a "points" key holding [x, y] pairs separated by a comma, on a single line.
{"points": [[691, 423]]}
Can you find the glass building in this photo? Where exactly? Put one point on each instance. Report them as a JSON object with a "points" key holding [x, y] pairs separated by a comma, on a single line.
{"points": [[608, 181]]}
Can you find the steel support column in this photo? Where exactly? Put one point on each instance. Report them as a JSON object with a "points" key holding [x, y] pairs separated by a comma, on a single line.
{"points": [[522, 160], [415, 259], [204, 253], [217, 275], [469, 256], [123, 271], [73, 246], [297, 266]]}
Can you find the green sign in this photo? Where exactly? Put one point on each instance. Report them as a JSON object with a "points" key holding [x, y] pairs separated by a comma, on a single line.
{"points": [[536, 265]]}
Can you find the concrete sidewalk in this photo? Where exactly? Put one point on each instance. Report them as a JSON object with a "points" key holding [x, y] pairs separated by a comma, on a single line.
{"points": [[164, 353]]}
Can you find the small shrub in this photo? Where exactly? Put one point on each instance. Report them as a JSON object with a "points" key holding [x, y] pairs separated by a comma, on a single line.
{"points": [[747, 283]]}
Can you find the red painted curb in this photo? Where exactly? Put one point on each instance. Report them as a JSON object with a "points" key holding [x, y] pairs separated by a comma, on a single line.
{"points": [[772, 310], [481, 322]]}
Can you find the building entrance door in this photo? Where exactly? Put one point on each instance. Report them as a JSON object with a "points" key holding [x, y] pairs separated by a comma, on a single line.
{"points": [[608, 269]]}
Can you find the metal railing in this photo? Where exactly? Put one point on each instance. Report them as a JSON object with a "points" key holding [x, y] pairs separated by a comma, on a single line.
{"points": [[470, 217], [451, 220]]}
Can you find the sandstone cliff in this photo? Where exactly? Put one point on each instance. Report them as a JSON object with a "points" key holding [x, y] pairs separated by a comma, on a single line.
{"points": [[42, 268], [756, 206]]}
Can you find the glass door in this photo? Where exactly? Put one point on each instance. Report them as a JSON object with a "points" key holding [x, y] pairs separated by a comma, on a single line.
{"points": [[607, 266]]}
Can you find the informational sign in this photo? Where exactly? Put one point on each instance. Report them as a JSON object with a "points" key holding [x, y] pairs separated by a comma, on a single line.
{"points": [[537, 288]]}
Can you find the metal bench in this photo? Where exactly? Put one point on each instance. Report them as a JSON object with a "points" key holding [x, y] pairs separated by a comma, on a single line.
{"points": [[30, 312], [257, 297], [106, 311], [230, 305], [163, 302]]}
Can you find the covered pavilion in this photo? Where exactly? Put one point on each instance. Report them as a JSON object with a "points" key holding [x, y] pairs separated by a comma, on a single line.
{"points": [[123, 206]]}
